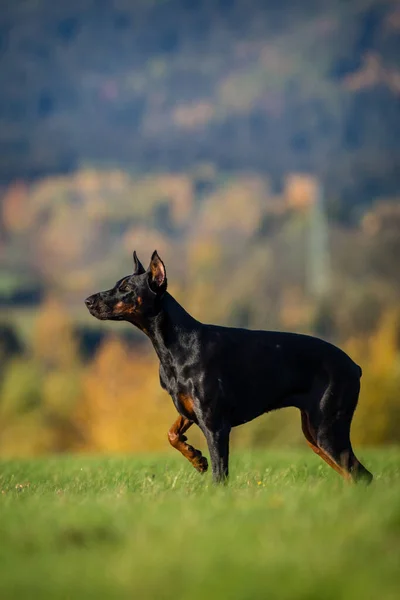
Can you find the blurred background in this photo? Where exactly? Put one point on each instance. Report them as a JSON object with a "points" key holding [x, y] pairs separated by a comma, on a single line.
{"points": [[254, 143]]}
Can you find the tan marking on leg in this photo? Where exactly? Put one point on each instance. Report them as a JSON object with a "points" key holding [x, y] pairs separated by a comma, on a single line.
{"points": [[345, 462], [187, 403], [178, 441], [310, 437]]}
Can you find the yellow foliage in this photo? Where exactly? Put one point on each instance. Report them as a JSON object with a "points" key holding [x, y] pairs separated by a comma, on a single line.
{"points": [[296, 310], [20, 390], [61, 391], [204, 255], [377, 417], [36, 408], [237, 208], [123, 408], [383, 349], [26, 436], [53, 339]]}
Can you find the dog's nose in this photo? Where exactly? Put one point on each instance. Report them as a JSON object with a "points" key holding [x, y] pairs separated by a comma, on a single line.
{"points": [[89, 301]]}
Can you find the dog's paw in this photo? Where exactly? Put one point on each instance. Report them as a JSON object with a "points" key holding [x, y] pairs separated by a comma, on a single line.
{"points": [[201, 464]]}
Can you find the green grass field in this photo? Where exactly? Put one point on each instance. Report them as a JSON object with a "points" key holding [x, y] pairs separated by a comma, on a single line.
{"points": [[286, 527]]}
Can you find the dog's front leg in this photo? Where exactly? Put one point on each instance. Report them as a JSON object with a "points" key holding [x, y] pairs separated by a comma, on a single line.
{"points": [[218, 446], [177, 439]]}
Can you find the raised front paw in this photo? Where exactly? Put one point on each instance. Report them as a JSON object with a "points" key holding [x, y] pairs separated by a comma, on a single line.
{"points": [[201, 464]]}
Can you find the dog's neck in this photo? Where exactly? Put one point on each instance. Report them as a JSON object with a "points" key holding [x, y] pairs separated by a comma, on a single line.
{"points": [[172, 329]]}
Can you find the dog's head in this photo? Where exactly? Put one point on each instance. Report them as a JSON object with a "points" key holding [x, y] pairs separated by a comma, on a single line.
{"points": [[134, 298]]}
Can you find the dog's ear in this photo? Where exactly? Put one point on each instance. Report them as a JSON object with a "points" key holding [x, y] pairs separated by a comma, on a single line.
{"points": [[138, 268], [157, 273]]}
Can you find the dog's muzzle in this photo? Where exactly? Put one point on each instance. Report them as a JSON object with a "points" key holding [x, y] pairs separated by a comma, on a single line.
{"points": [[90, 302], [96, 308]]}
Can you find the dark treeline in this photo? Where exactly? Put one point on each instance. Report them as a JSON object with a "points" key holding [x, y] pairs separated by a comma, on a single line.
{"points": [[243, 84]]}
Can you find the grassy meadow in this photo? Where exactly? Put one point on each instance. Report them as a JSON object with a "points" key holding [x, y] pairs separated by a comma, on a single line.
{"points": [[285, 526]]}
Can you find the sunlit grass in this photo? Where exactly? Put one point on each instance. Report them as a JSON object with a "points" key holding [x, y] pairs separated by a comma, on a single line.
{"points": [[285, 526]]}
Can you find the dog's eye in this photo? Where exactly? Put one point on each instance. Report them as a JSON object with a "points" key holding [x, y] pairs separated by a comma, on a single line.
{"points": [[124, 287]]}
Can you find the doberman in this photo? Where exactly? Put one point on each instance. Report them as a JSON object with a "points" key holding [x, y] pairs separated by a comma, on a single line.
{"points": [[221, 377]]}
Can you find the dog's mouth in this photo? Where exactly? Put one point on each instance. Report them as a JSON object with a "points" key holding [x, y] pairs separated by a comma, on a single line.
{"points": [[101, 314], [98, 309]]}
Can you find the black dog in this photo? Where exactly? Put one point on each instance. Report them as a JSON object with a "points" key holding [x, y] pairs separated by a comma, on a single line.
{"points": [[221, 377]]}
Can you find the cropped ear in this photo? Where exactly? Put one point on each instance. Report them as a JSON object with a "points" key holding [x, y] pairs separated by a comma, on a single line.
{"points": [[138, 268], [158, 275]]}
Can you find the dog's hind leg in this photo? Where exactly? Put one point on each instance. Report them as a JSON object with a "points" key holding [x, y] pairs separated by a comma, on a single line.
{"points": [[334, 439], [177, 439], [330, 427], [311, 441]]}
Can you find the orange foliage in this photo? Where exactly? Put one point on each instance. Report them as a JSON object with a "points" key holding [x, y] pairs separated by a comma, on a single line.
{"points": [[300, 191], [15, 213]]}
